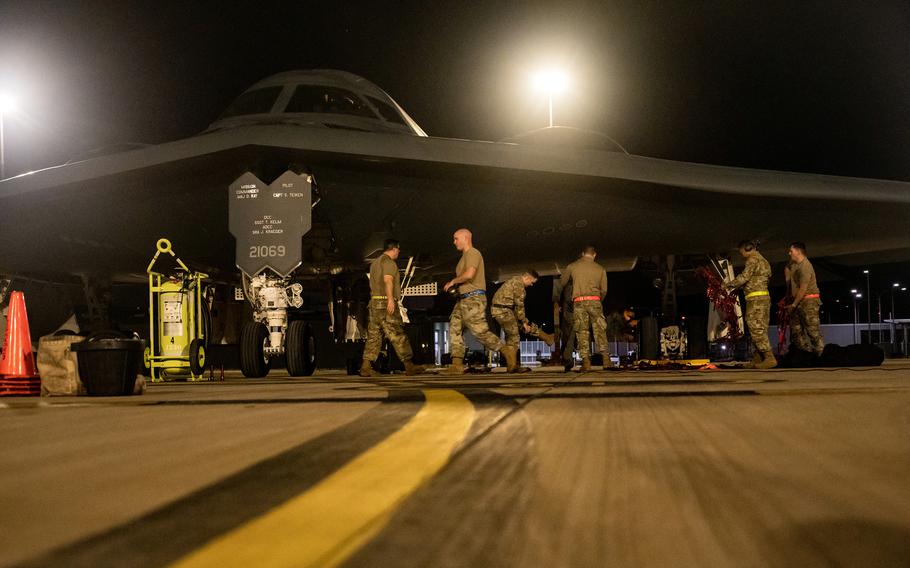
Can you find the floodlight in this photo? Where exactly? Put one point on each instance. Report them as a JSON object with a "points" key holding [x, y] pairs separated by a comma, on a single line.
{"points": [[551, 81]]}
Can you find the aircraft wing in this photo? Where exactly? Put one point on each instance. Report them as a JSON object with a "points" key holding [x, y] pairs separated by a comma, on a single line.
{"points": [[525, 203]]}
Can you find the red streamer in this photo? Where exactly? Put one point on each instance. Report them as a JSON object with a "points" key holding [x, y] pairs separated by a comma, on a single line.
{"points": [[724, 301]]}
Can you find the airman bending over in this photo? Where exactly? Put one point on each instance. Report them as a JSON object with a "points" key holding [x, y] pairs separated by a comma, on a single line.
{"points": [[509, 310], [470, 309], [589, 288], [754, 282], [385, 318]]}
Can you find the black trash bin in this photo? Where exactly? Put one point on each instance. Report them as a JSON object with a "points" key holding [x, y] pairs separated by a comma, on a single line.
{"points": [[108, 367]]}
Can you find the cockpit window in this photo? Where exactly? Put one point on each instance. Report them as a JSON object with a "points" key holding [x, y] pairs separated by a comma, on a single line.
{"points": [[327, 100], [387, 111], [254, 102]]}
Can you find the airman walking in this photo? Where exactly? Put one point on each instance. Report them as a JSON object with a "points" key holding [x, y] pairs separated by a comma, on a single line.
{"points": [[385, 317], [470, 308]]}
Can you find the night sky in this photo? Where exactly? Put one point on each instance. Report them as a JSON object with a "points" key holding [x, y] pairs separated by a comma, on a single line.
{"points": [[810, 86]]}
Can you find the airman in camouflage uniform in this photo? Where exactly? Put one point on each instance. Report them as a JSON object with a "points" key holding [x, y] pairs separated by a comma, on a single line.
{"points": [[385, 317], [509, 310], [564, 309], [470, 309], [805, 325], [589, 284], [754, 282]]}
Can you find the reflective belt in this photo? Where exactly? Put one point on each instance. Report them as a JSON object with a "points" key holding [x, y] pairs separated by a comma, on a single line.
{"points": [[380, 297], [586, 298], [811, 296], [474, 293], [755, 294]]}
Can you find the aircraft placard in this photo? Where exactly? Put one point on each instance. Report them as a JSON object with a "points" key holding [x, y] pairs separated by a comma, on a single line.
{"points": [[269, 220]]}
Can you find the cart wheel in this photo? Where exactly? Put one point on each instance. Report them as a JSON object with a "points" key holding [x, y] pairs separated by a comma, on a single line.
{"points": [[253, 360], [197, 357], [147, 358], [206, 328], [300, 348]]}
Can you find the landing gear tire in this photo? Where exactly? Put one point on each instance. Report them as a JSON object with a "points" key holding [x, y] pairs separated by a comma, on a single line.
{"points": [[300, 349], [254, 362], [197, 357]]}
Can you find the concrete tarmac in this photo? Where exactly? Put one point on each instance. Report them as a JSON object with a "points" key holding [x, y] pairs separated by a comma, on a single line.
{"points": [[634, 468]]}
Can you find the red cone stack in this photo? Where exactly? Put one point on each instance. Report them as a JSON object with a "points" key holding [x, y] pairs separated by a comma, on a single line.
{"points": [[18, 375]]}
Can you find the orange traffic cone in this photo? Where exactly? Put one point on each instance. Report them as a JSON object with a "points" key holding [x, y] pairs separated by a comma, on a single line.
{"points": [[18, 375]]}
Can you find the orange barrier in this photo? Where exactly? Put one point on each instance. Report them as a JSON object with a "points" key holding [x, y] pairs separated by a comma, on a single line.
{"points": [[18, 372]]}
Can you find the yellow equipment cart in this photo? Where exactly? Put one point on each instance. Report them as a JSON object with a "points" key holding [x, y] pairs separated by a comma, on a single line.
{"points": [[178, 321]]}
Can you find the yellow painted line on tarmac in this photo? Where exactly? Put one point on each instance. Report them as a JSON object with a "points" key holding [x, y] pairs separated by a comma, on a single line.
{"points": [[328, 523]]}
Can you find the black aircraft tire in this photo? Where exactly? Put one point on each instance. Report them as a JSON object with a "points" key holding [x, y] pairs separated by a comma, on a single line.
{"points": [[253, 362], [197, 356], [300, 349]]}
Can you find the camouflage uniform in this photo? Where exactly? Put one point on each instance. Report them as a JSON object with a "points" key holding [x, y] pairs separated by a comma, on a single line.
{"points": [[754, 282], [805, 325], [381, 323], [509, 310], [589, 280], [470, 310], [563, 295]]}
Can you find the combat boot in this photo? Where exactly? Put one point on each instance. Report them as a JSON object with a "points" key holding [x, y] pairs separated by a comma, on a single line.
{"points": [[456, 368], [585, 364], [547, 338], [410, 369], [511, 355], [519, 369], [366, 369], [756, 360], [608, 363], [768, 361]]}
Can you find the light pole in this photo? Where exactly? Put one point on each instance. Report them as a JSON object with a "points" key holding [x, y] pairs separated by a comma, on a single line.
{"points": [[854, 293], [894, 287], [7, 104], [868, 304], [553, 83]]}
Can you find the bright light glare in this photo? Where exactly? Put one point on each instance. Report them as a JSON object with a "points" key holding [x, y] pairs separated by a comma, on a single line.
{"points": [[854, 291], [551, 81], [865, 272], [896, 284], [859, 295], [7, 103]]}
